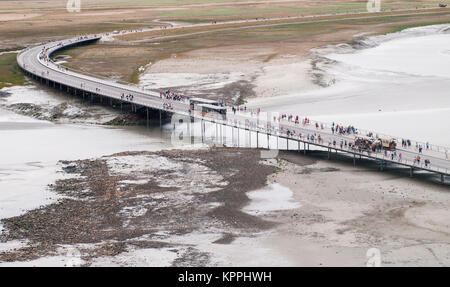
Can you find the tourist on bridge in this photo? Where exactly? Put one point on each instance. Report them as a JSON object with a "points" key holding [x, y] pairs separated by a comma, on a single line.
{"points": [[417, 160]]}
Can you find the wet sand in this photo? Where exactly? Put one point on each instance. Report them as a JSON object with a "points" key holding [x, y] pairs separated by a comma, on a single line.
{"points": [[224, 207], [346, 210], [227, 207], [200, 207], [135, 200]]}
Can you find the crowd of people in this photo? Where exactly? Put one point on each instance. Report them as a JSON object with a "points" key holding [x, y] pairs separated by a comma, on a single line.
{"points": [[417, 161], [169, 95], [342, 130], [318, 138], [127, 97], [167, 106], [336, 129]]}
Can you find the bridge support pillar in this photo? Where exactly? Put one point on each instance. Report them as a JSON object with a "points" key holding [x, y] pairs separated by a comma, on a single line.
{"points": [[268, 141], [442, 178], [232, 135], [202, 126], [411, 171], [257, 139], [160, 120], [217, 133], [354, 160], [304, 148], [329, 151], [147, 116], [238, 132], [381, 165], [191, 129]]}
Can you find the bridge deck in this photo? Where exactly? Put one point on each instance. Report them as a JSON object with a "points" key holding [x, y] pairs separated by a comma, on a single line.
{"points": [[36, 61]]}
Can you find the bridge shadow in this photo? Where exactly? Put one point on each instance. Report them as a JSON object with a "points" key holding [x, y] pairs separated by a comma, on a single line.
{"points": [[366, 165]]}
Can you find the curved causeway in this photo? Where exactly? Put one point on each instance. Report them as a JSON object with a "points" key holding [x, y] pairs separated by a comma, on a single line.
{"points": [[36, 63]]}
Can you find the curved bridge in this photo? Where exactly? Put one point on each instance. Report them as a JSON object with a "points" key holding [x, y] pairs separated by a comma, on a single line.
{"points": [[259, 129]]}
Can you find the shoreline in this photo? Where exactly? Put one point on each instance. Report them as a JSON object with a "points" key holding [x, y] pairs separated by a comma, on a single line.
{"points": [[342, 211]]}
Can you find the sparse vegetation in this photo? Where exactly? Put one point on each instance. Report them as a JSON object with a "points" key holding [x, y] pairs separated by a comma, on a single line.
{"points": [[122, 60], [10, 73]]}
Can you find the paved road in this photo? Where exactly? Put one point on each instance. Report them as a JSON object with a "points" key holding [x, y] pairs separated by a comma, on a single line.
{"points": [[35, 60]]}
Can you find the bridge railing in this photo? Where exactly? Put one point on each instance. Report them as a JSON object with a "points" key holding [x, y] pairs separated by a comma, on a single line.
{"points": [[278, 132], [328, 126], [303, 138], [271, 127]]}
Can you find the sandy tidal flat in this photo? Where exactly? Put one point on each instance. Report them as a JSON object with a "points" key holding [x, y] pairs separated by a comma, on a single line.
{"points": [[398, 85]]}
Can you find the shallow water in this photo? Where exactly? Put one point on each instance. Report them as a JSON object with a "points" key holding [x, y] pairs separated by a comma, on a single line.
{"points": [[30, 150], [398, 87], [275, 197]]}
